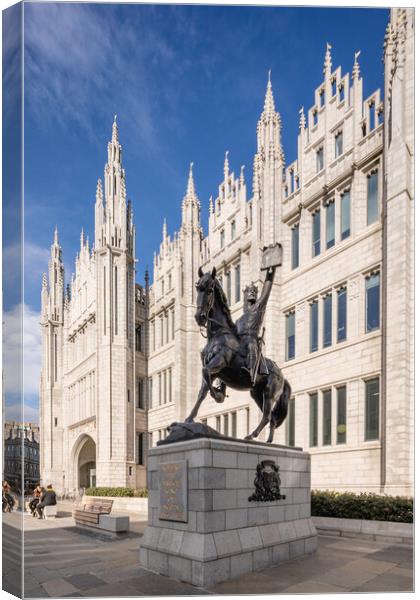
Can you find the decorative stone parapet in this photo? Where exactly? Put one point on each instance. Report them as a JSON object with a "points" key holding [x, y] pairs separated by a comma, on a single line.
{"points": [[219, 533]]}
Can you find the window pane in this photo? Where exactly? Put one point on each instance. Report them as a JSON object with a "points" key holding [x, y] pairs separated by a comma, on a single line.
{"points": [[345, 215], [226, 424], [372, 198], [233, 230], [290, 428], [326, 418], [316, 233], [327, 321], [341, 415], [341, 315], [330, 209], [313, 419], [314, 326], [372, 409], [290, 336], [372, 302], [338, 144], [218, 423], [228, 288], [319, 159], [295, 247], [222, 238], [237, 283]]}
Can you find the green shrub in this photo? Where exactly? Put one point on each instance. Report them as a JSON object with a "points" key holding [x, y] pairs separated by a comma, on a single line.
{"points": [[361, 506], [110, 491]]}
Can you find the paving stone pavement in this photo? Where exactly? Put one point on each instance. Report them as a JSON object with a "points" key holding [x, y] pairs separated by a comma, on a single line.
{"points": [[62, 562]]}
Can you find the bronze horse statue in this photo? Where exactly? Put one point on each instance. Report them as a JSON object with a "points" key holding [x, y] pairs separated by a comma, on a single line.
{"points": [[224, 358]]}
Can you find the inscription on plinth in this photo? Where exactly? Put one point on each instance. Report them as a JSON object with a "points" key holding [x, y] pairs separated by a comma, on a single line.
{"points": [[173, 491]]}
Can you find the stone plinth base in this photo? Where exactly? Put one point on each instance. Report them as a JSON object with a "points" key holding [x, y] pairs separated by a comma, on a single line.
{"points": [[226, 534]]}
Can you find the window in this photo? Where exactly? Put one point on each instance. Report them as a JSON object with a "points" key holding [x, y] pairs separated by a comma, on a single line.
{"points": [[345, 215], [140, 448], [170, 385], [295, 247], [161, 329], [341, 314], [316, 233], [150, 392], [314, 326], [247, 420], [315, 117], [322, 98], [128, 396], [140, 394], [226, 424], [330, 231], [372, 302], [327, 334], [326, 417], [162, 287], [341, 93], [228, 288], [237, 283], [130, 470], [233, 422], [169, 281], [292, 181], [139, 339], [371, 116], [338, 144], [319, 159], [372, 409], [372, 197], [341, 414], [313, 419], [173, 323], [222, 238], [333, 87], [233, 230], [290, 423], [55, 421], [290, 336], [218, 423]]}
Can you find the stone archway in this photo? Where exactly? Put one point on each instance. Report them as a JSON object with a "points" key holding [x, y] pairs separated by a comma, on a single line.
{"points": [[84, 462]]}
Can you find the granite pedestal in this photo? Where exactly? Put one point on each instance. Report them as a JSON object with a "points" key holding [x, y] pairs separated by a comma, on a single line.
{"points": [[203, 528]]}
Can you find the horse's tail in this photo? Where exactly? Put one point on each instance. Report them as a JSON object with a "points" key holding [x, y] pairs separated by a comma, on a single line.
{"points": [[279, 411]]}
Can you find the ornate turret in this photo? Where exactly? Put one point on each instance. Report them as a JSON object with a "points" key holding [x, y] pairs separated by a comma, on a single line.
{"points": [[327, 62], [191, 204], [356, 67]]}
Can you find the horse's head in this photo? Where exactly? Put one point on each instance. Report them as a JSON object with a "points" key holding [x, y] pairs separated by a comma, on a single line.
{"points": [[205, 295]]}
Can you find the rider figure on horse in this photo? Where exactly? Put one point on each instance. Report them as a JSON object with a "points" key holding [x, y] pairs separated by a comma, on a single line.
{"points": [[249, 324]]}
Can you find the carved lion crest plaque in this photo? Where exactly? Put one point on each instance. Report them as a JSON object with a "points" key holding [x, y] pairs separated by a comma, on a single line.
{"points": [[267, 483]]}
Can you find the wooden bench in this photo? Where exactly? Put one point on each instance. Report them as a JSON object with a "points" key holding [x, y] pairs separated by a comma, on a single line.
{"points": [[87, 513], [95, 515]]}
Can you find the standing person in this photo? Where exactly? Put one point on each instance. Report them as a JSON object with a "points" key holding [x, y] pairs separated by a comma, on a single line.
{"points": [[36, 499], [48, 498], [8, 496]]}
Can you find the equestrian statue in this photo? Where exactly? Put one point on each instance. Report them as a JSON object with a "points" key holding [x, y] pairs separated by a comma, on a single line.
{"points": [[233, 353]]}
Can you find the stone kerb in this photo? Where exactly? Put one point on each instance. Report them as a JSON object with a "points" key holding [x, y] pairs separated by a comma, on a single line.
{"points": [[226, 534]]}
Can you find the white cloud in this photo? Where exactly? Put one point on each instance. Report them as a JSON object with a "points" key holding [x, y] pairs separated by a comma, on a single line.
{"points": [[21, 323]]}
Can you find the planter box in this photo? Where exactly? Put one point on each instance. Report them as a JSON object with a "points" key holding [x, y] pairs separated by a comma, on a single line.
{"points": [[400, 533], [122, 504]]}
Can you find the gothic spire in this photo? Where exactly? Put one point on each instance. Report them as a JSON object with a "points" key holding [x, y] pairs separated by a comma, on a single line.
{"points": [[56, 236], [241, 176], [115, 130], [269, 106], [82, 239], [356, 66], [44, 280], [226, 165], [190, 185], [211, 205], [327, 61], [99, 192], [164, 230]]}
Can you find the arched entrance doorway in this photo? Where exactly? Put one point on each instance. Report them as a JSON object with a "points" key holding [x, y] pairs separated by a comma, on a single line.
{"points": [[86, 463]]}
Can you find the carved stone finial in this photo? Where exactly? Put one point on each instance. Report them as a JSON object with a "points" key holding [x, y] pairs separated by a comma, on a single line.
{"points": [[356, 67], [302, 118]]}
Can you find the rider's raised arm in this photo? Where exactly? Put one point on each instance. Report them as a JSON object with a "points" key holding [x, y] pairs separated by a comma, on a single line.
{"points": [[268, 284]]}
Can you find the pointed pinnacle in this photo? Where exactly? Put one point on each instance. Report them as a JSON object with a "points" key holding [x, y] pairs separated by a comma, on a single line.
{"points": [[211, 205], [56, 236], [356, 67], [226, 164], [44, 280], [241, 177], [302, 118], [190, 185], [82, 238], [115, 130], [327, 61], [164, 229], [99, 192], [269, 106]]}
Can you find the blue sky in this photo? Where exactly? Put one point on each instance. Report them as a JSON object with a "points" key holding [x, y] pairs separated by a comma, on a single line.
{"points": [[187, 83]]}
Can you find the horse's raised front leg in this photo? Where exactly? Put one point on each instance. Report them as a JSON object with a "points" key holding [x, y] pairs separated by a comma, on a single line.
{"points": [[201, 395], [210, 371]]}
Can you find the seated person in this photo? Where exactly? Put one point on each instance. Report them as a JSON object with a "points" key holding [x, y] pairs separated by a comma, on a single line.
{"points": [[36, 499], [48, 498], [9, 503]]}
